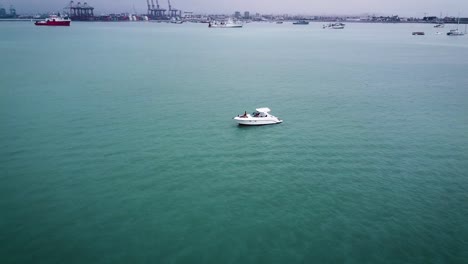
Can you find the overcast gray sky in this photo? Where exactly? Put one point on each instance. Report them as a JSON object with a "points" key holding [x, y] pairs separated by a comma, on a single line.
{"points": [[312, 7]]}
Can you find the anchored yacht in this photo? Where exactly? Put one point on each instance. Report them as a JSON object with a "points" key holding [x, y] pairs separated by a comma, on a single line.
{"points": [[260, 117], [228, 24], [301, 22], [456, 32], [337, 25]]}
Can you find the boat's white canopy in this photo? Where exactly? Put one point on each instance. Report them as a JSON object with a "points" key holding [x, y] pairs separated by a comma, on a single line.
{"points": [[263, 109]]}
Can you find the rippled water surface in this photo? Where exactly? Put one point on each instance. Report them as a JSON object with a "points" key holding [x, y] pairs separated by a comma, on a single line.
{"points": [[117, 144]]}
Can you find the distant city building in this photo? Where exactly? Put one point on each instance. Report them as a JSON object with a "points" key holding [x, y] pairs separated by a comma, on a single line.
{"points": [[237, 14], [247, 15]]}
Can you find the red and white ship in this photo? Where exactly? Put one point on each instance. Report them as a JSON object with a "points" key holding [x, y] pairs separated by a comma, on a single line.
{"points": [[54, 20]]}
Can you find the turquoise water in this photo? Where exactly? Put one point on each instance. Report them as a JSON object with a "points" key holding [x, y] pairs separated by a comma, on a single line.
{"points": [[117, 144]]}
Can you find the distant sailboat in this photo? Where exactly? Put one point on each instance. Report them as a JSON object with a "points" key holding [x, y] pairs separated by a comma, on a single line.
{"points": [[440, 24], [456, 32]]}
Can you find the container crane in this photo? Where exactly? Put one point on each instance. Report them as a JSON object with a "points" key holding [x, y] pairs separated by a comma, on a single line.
{"points": [[157, 11], [172, 12]]}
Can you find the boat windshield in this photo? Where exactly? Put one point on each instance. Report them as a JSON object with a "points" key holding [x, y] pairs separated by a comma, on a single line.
{"points": [[259, 114]]}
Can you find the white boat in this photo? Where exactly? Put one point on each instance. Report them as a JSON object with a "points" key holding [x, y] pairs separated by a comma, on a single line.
{"points": [[176, 21], [337, 25], [260, 117], [456, 32], [223, 24], [440, 23]]}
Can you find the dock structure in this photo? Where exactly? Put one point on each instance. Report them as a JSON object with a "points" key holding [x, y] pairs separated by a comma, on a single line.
{"points": [[155, 12], [80, 12]]}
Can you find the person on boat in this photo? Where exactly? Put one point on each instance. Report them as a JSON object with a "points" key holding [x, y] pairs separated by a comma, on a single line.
{"points": [[245, 114]]}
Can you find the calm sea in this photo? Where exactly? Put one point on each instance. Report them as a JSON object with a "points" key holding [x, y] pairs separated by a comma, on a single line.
{"points": [[117, 144]]}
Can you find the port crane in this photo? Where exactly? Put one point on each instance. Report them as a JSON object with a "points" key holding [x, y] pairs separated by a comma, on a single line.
{"points": [[172, 12], [155, 11], [159, 11], [80, 11]]}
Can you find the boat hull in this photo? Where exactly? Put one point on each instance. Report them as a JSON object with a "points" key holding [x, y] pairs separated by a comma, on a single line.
{"points": [[53, 23], [225, 26], [455, 34], [256, 121]]}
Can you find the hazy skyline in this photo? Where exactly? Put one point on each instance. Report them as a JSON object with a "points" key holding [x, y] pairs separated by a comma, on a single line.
{"points": [[318, 7]]}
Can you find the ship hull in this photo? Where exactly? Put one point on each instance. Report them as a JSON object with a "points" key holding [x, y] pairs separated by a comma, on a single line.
{"points": [[225, 26], [53, 23], [257, 121]]}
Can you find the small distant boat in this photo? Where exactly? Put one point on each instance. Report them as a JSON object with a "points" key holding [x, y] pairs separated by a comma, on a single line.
{"points": [[223, 24], [258, 118], [301, 22], [440, 23], [54, 20], [338, 26], [334, 26], [418, 33], [279, 22], [176, 21], [455, 32]]}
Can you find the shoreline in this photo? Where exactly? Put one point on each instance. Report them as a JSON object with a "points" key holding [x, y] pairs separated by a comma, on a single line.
{"points": [[199, 22]]}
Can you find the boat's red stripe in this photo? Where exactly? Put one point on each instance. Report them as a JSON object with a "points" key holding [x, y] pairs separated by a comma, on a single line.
{"points": [[51, 23]]}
